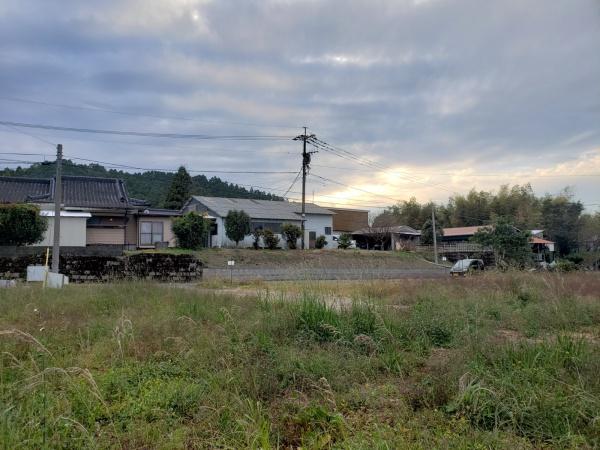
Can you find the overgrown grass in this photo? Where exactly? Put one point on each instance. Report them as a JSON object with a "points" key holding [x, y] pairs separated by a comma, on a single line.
{"points": [[503, 361]]}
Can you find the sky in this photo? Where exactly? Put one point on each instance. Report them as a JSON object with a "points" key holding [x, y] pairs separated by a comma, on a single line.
{"points": [[435, 97]]}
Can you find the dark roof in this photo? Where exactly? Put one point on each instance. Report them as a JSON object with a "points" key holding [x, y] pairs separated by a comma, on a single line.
{"points": [[18, 190], [84, 192], [396, 229]]}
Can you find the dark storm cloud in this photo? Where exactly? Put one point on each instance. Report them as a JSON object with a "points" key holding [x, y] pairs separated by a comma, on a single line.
{"points": [[438, 84]]}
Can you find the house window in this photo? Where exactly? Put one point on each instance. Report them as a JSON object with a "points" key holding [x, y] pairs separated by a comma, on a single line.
{"points": [[151, 233], [275, 227], [328, 231]]}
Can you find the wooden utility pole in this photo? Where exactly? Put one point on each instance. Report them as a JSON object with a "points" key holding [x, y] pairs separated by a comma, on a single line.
{"points": [[305, 167], [57, 204], [435, 252]]}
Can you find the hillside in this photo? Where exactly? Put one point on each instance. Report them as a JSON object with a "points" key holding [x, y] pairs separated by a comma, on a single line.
{"points": [[151, 186]]}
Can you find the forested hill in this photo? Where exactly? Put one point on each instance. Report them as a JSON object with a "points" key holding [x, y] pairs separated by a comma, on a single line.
{"points": [[151, 186]]}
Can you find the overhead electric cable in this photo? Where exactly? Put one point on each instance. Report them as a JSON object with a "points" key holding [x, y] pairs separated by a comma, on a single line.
{"points": [[152, 116], [147, 134]]}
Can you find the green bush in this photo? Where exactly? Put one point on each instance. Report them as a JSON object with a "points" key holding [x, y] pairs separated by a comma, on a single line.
{"points": [[271, 241], [566, 265], [190, 230], [256, 235], [321, 242], [21, 225], [291, 233], [345, 241]]}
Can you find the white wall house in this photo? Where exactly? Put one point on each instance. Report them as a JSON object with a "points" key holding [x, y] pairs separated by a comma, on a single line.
{"points": [[72, 229], [264, 214]]}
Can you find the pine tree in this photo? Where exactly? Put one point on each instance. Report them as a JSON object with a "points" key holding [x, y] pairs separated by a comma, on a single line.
{"points": [[179, 191]]}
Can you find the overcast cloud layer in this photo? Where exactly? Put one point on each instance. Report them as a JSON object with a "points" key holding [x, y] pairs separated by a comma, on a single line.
{"points": [[448, 94]]}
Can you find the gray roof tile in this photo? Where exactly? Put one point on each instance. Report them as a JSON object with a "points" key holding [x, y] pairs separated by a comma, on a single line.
{"points": [[84, 192], [259, 209]]}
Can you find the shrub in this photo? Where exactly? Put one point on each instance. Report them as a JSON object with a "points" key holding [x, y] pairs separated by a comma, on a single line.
{"points": [[321, 242], [566, 265], [256, 235], [345, 241], [190, 230], [271, 241], [21, 225], [291, 234], [237, 225]]}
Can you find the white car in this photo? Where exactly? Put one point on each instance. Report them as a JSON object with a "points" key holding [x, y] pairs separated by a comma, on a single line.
{"points": [[466, 266], [336, 238]]}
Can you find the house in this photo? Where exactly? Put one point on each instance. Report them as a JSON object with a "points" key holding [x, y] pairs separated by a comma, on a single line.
{"points": [[456, 243], [460, 234], [264, 214], [396, 237], [347, 220], [95, 212]]}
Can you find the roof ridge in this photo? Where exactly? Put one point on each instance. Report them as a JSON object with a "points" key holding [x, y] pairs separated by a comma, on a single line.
{"points": [[89, 177], [29, 179]]}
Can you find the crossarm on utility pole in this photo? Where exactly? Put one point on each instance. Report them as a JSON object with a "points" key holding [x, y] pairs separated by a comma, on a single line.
{"points": [[305, 166]]}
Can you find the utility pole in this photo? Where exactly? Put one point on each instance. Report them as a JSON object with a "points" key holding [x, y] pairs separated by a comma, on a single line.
{"points": [[435, 252], [305, 167], [57, 203]]}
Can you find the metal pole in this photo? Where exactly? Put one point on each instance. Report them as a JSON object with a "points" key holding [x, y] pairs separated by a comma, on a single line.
{"points": [[57, 203], [435, 252]]}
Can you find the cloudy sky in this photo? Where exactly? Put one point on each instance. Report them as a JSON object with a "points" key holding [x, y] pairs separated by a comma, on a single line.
{"points": [[435, 96]]}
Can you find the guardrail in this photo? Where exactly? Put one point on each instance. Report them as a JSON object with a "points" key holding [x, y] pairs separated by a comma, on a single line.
{"points": [[459, 247]]}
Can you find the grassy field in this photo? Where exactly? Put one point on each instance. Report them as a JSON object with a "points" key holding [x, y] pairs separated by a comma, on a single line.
{"points": [[351, 258], [497, 361]]}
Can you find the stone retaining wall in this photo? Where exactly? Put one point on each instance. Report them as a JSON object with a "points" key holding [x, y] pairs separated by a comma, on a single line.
{"points": [[9, 251], [144, 266]]}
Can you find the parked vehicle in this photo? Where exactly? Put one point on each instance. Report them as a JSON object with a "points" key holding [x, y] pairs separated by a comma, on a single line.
{"points": [[466, 266], [336, 237]]}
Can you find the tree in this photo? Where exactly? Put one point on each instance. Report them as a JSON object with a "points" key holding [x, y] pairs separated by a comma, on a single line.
{"points": [[427, 232], [345, 241], [237, 225], [21, 224], [474, 209], [179, 191], [271, 241], [589, 235], [190, 230], [519, 204], [561, 221], [511, 246], [291, 234]]}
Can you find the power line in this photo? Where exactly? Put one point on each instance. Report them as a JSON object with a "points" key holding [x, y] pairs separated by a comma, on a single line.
{"points": [[470, 175], [293, 183], [152, 116], [25, 154], [148, 134], [45, 141], [352, 187], [149, 169], [345, 154], [125, 166]]}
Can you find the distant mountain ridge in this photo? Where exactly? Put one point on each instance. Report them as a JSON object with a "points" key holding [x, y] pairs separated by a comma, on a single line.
{"points": [[151, 186]]}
